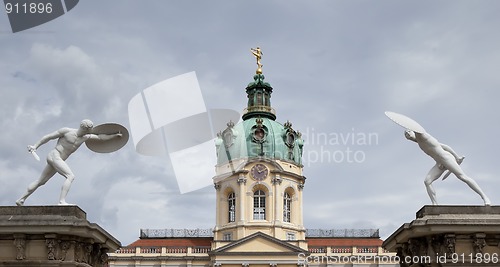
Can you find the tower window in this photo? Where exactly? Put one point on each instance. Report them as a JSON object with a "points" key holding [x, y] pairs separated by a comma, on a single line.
{"points": [[259, 205], [290, 236], [259, 98], [231, 201], [287, 207], [227, 237]]}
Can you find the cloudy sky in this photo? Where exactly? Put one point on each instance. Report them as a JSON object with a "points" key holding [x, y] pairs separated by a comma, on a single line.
{"points": [[335, 67]]}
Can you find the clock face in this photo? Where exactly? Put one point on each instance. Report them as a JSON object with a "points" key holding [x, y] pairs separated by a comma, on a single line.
{"points": [[259, 172]]}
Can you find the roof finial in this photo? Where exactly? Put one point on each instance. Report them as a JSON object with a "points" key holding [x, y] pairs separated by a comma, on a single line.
{"points": [[258, 55]]}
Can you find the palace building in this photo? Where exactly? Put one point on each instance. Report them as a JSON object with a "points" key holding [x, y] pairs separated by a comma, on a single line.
{"points": [[259, 220]]}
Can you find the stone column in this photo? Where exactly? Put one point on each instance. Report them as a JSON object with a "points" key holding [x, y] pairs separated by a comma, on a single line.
{"points": [[300, 187], [242, 197], [218, 199], [278, 200]]}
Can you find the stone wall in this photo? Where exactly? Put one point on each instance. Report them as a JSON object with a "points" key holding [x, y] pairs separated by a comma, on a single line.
{"points": [[52, 236], [449, 236]]}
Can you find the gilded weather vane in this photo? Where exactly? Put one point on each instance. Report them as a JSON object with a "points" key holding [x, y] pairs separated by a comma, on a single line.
{"points": [[258, 55]]}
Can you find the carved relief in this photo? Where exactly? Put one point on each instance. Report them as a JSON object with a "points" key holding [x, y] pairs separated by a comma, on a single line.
{"points": [[450, 241], [95, 256], [242, 179], [87, 249], [79, 252], [259, 132], [60, 248], [51, 248], [401, 254], [437, 245], [479, 243], [103, 257], [416, 247], [20, 244], [228, 135], [276, 180], [404, 250], [289, 137], [64, 247]]}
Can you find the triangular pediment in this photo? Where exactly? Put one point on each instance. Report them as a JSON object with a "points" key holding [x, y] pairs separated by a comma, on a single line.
{"points": [[259, 243]]}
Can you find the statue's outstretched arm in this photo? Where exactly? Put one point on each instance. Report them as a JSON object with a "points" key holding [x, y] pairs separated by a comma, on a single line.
{"points": [[49, 137], [104, 137], [449, 149]]}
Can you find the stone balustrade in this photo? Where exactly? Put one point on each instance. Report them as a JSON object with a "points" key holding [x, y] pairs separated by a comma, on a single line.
{"points": [[332, 250], [184, 251]]}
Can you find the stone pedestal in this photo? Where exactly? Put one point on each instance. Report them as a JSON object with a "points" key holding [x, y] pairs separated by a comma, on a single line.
{"points": [[52, 236], [449, 236]]}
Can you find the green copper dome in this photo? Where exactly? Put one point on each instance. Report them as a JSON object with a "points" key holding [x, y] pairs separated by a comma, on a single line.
{"points": [[259, 138], [259, 135]]}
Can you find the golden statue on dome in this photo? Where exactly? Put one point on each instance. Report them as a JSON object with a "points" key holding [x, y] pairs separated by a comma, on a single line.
{"points": [[257, 52]]}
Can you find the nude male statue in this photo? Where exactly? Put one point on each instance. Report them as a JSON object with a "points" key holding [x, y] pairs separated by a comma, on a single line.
{"points": [[446, 159], [68, 141]]}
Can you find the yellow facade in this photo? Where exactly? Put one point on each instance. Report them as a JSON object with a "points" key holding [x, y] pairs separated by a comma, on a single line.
{"points": [[282, 179]]}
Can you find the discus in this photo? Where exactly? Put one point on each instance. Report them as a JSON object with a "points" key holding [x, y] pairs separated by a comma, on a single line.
{"points": [[111, 145], [405, 122]]}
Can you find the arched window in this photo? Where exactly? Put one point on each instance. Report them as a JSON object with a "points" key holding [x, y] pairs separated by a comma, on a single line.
{"points": [[259, 205], [287, 207], [231, 201]]}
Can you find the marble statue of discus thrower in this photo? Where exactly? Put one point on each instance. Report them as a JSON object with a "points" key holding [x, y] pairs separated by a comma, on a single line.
{"points": [[111, 145], [405, 122]]}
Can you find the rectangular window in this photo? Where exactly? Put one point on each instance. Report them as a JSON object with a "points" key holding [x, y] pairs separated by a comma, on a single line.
{"points": [[231, 207], [290, 236], [259, 205], [227, 236], [287, 207]]}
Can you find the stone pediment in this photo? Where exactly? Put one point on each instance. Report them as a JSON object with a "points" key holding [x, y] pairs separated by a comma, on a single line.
{"points": [[259, 243]]}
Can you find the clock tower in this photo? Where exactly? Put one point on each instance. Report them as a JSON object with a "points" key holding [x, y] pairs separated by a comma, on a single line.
{"points": [[259, 177]]}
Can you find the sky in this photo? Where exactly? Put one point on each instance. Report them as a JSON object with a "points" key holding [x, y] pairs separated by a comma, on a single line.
{"points": [[335, 67]]}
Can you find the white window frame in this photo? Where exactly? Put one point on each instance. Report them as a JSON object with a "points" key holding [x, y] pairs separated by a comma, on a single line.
{"points": [[287, 207], [259, 205], [231, 201]]}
